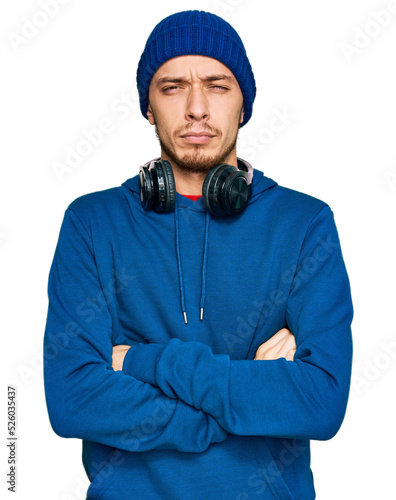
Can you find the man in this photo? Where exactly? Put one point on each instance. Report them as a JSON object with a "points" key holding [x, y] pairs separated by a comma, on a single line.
{"points": [[198, 331]]}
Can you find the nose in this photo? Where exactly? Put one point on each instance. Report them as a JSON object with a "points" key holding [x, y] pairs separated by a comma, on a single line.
{"points": [[197, 108]]}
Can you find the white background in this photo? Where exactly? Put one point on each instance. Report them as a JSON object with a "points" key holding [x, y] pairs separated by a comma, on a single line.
{"points": [[339, 146]]}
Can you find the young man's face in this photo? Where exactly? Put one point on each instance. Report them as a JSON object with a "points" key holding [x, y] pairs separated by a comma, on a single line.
{"points": [[196, 104]]}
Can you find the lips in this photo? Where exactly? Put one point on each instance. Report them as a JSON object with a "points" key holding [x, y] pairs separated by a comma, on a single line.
{"points": [[197, 137], [198, 134]]}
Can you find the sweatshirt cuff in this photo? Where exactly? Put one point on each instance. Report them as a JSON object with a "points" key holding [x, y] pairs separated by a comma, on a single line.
{"points": [[140, 361]]}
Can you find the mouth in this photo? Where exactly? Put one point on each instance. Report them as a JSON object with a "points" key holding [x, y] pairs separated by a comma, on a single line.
{"points": [[197, 137]]}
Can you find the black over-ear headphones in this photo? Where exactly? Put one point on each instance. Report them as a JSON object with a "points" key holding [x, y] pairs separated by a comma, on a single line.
{"points": [[225, 191]]}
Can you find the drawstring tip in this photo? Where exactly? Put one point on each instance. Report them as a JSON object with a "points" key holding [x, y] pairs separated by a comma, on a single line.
{"points": [[201, 313], [185, 317]]}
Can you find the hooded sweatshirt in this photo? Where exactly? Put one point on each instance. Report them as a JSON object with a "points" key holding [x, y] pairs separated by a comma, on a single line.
{"points": [[192, 415]]}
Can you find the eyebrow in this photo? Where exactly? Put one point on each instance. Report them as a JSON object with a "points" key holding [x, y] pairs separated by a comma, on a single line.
{"points": [[209, 78]]}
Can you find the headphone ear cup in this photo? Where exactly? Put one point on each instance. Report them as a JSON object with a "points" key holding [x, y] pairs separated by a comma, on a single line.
{"points": [[225, 190], [235, 193], [169, 185], [210, 191], [157, 186], [146, 188], [213, 186]]}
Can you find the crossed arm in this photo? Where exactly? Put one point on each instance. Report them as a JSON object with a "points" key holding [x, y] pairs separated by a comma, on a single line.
{"points": [[280, 345], [304, 399]]}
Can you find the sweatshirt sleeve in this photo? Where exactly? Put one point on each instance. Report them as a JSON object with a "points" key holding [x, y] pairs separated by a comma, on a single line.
{"points": [[85, 397], [302, 399]]}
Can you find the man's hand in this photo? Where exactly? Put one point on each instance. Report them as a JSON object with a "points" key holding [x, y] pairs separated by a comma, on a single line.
{"points": [[119, 352], [281, 345]]}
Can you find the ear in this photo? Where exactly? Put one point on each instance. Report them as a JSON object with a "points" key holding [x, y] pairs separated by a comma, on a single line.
{"points": [[242, 115], [150, 115]]}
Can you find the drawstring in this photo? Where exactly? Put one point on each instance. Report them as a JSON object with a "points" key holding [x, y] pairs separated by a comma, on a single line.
{"points": [[181, 282], [203, 289]]}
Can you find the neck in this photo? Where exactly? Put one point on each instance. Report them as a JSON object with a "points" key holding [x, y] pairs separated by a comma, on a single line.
{"points": [[188, 182]]}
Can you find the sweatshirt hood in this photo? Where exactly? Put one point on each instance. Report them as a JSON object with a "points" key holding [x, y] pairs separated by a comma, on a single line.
{"points": [[259, 183]]}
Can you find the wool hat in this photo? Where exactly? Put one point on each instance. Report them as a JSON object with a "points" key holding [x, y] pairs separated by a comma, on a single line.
{"points": [[195, 32]]}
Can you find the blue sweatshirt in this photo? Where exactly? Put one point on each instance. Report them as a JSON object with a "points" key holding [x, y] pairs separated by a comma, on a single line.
{"points": [[192, 415]]}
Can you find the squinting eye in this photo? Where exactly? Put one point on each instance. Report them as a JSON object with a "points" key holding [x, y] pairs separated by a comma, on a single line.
{"points": [[170, 88]]}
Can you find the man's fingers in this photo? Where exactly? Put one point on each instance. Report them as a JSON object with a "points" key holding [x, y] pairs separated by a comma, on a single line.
{"points": [[120, 347], [276, 338], [290, 355], [281, 345], [119, 352], [286, 344], [273, 344]]}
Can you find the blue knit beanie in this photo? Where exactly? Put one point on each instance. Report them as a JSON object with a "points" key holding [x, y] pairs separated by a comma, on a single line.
{"points": [[195, 32]]}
